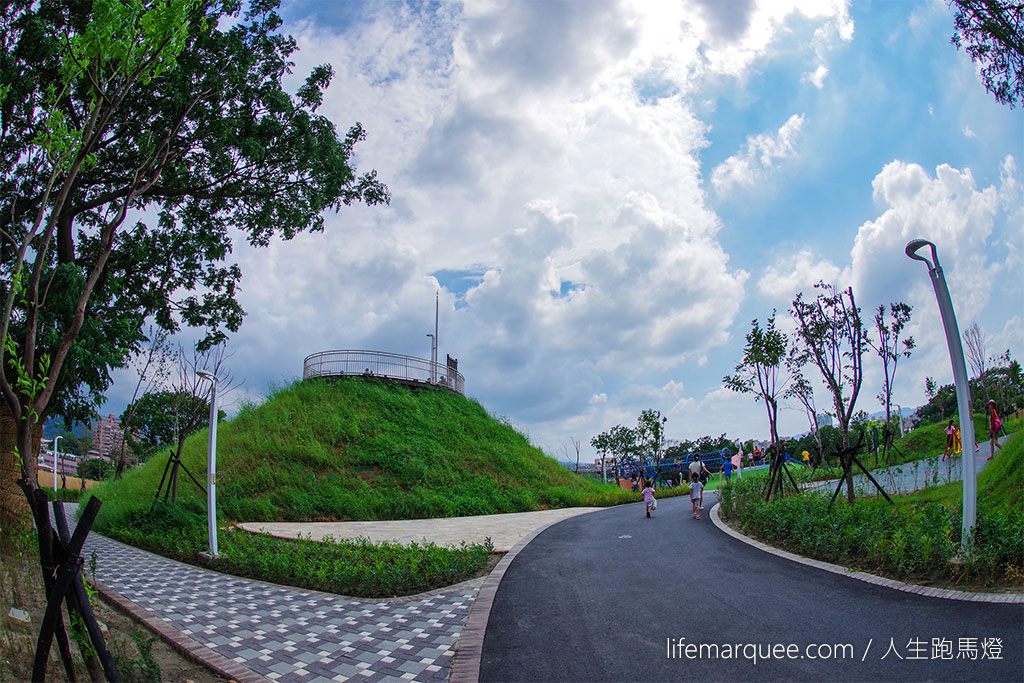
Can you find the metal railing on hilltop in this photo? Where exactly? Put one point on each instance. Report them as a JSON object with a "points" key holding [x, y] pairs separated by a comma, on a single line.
{"points": [[392, 366]]}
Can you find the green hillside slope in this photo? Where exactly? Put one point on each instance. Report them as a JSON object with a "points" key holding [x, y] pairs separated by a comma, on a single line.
{"points": [[352, 449]]}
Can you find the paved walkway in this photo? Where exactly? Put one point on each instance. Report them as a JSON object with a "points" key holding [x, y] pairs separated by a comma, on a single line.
{"points": [[915, 475], [251, 630], [503, 530], [614, 596]]}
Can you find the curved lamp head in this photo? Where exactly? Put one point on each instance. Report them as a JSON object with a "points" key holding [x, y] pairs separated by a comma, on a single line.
{"points": [[913, 246], [208, 375]]}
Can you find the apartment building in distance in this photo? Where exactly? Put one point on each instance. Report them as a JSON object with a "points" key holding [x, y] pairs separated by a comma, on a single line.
{"points": [[106, 435]]}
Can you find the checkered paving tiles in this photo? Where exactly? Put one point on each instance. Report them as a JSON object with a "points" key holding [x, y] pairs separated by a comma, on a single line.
{"points": [[288, 633]]}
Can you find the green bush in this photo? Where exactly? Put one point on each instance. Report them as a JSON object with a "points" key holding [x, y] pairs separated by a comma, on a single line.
{"points": [[917, 539], [357, 568]]}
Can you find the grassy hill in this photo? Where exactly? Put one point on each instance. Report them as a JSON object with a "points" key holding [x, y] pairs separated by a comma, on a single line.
{"points": [[352, 449]]}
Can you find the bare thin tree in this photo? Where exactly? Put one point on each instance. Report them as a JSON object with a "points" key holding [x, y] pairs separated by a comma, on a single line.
{"points": [[192, 395], [832, 335], [976, 342], [889, 349], [153, 369]]}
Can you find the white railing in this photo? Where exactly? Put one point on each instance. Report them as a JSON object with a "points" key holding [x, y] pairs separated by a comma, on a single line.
{"points": [[394, 366]]}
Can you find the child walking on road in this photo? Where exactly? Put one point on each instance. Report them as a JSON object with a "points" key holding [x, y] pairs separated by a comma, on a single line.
{"points": [[695, 491], [648, 496]]}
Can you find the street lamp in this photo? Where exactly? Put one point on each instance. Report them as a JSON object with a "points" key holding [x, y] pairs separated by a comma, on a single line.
{"points": [[963, 392], [211, 465], [56, 440]]}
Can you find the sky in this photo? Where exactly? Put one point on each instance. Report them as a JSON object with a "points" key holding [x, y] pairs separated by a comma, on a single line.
{"points": [[605, 195]]}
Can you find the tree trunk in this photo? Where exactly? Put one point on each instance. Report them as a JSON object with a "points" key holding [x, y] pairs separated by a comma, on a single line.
{"points": [[13, 504], [847, 457]]}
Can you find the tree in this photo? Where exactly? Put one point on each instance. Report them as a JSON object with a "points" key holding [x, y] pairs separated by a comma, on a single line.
{"points": [[941, 404], [151, 366], [618, 441], [113, 108], [575, 443], [801, 390], [832, 335], [758, 374], [975, 343], [649, 435], [993, 34], [191, 395], [888, 349], [96, 469]]}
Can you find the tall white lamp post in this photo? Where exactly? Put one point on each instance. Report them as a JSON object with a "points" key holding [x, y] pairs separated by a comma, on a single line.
{"points": [[211, 465], [56, 440], [963, 391]]}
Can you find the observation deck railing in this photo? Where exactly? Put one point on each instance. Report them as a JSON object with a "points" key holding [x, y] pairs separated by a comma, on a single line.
{"points": [[392, 366]]}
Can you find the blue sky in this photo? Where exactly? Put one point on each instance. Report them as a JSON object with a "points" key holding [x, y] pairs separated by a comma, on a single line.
{"points": [[606, 193]]}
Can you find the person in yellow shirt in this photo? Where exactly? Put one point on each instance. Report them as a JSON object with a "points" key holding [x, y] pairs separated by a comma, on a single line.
{"points": [[807, 458]]}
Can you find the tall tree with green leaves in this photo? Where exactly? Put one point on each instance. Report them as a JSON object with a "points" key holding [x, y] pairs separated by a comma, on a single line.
{"points": [[762, 372], [992, 32], [136, 136], [831, 335]]}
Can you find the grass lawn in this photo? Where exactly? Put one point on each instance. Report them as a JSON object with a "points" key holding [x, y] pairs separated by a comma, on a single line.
{"points": [[339, 450], [918, 539]]}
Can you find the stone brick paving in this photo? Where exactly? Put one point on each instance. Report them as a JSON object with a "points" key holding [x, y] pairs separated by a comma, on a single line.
{"points": [[288, 633]]}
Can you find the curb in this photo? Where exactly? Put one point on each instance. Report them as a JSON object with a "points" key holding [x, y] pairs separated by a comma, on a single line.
{"points": [[943, 593], [465, 667]]}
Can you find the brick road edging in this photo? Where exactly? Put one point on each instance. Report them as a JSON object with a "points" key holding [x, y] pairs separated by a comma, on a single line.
{"points": [[944, 593], [465, 667]]}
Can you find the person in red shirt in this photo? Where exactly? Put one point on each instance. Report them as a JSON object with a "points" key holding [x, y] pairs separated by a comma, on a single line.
{"points": [[995, 425]]}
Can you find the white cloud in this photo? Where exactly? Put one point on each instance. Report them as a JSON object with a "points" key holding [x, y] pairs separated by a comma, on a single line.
{"points": [[968, 132], [783, 280], [816, 77], [758, 156], [754, 31], [554, 148]]}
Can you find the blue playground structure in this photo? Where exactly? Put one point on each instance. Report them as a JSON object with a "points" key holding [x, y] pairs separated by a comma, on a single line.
{"points": [[674, 470]]}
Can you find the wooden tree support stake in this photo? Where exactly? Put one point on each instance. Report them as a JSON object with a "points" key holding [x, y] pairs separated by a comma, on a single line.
{"points": [[68, 586]]}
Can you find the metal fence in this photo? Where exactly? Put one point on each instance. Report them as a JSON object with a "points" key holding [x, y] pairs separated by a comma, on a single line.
{"points": [[394, 366]]}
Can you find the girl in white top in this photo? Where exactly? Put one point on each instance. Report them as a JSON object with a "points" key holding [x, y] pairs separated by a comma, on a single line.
{"points": [[648, 494], [695, 490]]}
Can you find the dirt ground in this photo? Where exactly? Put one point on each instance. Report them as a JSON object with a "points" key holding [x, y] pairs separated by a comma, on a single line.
{"points": [[21, 587]]}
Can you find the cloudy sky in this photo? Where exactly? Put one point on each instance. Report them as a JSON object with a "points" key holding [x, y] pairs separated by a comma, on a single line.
{"points": [[605, 194]]}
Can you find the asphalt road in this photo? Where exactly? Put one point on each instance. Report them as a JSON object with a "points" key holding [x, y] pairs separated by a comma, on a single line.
{"points": [[607, 597]]}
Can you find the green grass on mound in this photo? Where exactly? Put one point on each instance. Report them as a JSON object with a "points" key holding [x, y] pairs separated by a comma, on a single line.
{"points": [[351, 449], [347, 449], [918, 539]]}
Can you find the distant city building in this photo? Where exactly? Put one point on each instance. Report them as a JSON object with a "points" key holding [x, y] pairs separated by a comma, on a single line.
{"points": [[67, 463], [107, 434], [824, 420]]}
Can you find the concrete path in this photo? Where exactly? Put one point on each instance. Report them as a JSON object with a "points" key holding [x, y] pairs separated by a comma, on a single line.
{"points": [[254, 631], [503, 530], [613, 596]]}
